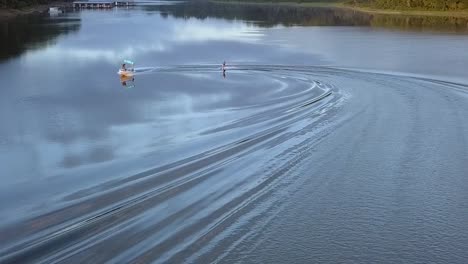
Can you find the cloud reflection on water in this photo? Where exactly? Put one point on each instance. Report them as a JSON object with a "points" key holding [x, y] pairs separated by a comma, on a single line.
{"points": [[74, 123], [161, 37]]}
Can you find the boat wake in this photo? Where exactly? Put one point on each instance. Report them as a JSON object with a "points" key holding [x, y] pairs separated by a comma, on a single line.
{"points": [[210, 193]]}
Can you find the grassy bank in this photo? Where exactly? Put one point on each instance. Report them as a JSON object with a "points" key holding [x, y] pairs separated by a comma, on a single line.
{"points": [[406, 12], [356, 7]]}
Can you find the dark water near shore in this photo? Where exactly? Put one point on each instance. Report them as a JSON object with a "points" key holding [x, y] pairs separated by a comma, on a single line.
{"points": [[334, 136]]}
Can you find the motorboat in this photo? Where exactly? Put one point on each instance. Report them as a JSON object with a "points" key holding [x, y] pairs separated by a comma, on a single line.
{"points": [[54, 11], [127, 69]]}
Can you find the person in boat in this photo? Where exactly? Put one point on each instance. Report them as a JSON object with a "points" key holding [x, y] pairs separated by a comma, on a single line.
{"points": [[123, 67]]}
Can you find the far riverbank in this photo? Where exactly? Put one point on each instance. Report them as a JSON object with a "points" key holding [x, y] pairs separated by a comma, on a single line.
{"points": [[364, 9], [10, 13]]}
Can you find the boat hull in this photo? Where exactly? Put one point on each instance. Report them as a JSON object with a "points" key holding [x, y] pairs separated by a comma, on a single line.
{"points": [[125, 73]]}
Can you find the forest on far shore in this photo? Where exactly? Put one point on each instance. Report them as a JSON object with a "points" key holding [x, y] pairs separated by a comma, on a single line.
{"points": [[18, 4], [439, 5]]}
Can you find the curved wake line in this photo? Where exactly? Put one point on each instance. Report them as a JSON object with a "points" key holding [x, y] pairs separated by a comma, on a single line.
{"points": [[96, 216], [244, 172]]}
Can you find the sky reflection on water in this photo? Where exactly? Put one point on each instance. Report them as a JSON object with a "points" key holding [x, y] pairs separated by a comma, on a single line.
{"points": [[68, 122]]}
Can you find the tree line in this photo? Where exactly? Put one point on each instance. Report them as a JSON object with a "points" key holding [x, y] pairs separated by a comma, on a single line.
{"points": [[383, 4], [18, 4]]}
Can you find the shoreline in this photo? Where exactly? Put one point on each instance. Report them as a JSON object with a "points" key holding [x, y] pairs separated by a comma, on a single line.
{"points": [[362, 9], [9, 13], [427, 13], [270, 3]]}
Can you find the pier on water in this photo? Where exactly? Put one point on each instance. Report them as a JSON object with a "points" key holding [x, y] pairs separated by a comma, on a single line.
{"points": [[102, 3]]}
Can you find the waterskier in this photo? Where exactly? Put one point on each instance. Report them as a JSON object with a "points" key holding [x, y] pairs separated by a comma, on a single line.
{"points": [[223, 67]]}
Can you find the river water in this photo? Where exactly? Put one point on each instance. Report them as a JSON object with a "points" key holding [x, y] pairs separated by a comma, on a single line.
{"points": [[333, 136]]}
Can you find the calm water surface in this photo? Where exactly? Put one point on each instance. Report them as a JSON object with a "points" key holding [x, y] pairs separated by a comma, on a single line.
{"points": [[333, 136]]}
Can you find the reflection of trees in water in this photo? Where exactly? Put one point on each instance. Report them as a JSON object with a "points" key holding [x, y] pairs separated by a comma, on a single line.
{"points": [[31, 32], [271, 15], [265, 15]]}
